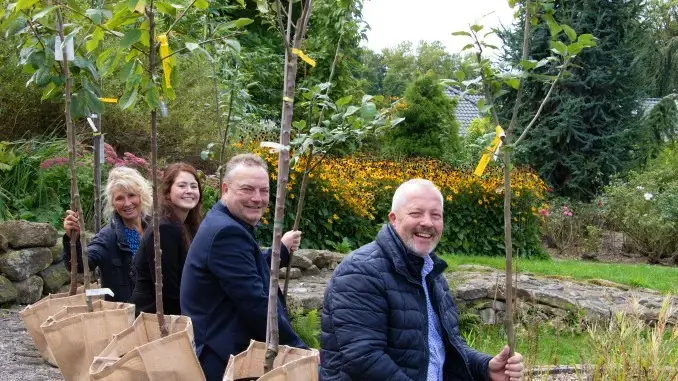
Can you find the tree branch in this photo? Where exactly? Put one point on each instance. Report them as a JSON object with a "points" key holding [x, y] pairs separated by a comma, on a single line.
{"points": [[199, 43], [180, 17], [543, 102]]}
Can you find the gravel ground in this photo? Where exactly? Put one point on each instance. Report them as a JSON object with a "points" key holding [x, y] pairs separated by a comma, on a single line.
{"points": [[19, 360]]}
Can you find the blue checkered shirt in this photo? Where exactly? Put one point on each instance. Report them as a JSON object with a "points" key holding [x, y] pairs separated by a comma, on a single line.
{"points": [[436, 347]]}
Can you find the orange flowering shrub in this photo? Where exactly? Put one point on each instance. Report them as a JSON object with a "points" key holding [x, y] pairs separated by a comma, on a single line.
{"points": [[350, 198]]}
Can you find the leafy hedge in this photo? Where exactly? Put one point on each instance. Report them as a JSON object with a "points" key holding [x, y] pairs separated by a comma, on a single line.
{"points": [[348, 199]]}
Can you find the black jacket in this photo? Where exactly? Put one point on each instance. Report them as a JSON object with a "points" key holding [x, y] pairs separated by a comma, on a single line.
{"points": [[173, 257], [110, 252], [374, 320]]}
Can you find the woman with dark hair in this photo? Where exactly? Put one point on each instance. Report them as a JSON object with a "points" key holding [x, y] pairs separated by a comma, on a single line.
{"points": [[180, 195]]}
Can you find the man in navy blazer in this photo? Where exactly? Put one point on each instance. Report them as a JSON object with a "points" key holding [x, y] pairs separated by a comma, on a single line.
{"points": [[225, 280]]}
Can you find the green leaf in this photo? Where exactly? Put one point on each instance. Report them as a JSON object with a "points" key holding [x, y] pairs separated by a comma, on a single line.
{"points": [[242, 3], [130, 37], [461, 33], [574, 48], [554, 28], [98, 15], [128, 99], [344, 100], [94, 40], [467, 47], [571, 34], [152, 96], [166, 8], [201, 4], [86, 64], [528, 64], [350, 111], [43, 12], [42, 76], [233, 44], [460, 75], [49, 90], [241, 22], [368, 111], [587, 40], [262, 6], [513, 82], [476, 28], [559, 48], [24, 4]]}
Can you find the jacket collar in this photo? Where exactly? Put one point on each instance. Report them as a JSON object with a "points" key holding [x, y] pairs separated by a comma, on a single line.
{"points": [[117, 225], [404, 261], [221, 207]]}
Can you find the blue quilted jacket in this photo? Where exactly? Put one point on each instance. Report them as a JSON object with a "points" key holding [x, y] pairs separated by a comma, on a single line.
{"points": [[374, 322]]}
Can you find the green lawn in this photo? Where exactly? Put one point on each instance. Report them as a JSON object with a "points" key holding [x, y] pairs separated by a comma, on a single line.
{"points": [[541, 346], [661, 278]]}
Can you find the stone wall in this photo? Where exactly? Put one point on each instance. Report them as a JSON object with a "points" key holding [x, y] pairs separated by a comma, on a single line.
{"points": [[30, 262]]}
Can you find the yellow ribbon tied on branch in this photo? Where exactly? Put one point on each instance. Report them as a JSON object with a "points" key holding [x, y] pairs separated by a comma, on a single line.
{"points": [[166, 65], [303, 56], [490, 152], [109, 100]]}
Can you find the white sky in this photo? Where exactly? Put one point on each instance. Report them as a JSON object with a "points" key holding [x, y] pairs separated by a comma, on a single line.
{"points": [[393, 21]]}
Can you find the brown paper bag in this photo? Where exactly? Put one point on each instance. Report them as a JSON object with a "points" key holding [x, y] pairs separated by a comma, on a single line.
{"points": [[75, 336], [140, 354], [288, 365], [36, 314]]}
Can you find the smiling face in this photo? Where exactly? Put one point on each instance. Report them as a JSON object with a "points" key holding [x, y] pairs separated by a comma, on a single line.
{"points": [[419, 220], [246, 193], [127, 204], [185, 192]]}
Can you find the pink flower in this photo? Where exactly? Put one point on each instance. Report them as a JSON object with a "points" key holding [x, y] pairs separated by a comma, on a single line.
{"points": [[544, 212]]}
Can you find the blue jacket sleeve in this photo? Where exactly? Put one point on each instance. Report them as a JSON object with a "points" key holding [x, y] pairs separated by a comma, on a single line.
{"points": [[231, 259], [359, 315], [284, 256], [96, 249]]}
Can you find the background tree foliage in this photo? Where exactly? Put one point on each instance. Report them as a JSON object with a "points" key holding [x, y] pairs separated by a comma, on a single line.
{"points": [[429, 128], [585, 133]]}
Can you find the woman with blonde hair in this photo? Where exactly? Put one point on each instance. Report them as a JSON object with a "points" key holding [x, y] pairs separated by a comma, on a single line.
{"points": [[128, 203]]}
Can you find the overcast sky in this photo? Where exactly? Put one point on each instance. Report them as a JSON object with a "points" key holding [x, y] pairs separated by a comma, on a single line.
{"points": [[393, 21]]}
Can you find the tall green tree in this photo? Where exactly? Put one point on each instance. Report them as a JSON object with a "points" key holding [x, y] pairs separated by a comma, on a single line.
{"points": [[429, 128], [659, 52], [587, 127]]}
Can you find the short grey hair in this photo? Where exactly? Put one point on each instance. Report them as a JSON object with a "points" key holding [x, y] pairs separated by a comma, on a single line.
{"points": [[245, 160], [405, 188]]}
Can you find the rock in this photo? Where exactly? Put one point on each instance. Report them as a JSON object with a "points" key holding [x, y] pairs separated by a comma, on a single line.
{"points": [[54, 277], [22, 234], [18, 265], [301, 262], [3, 243], [295, 273], [309, 254], [56, 252], [324, 259], [29, 291], [8, 292], [311, 271]]}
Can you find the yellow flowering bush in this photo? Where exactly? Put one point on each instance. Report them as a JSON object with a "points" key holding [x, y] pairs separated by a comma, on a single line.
{"points": [[349, 199]]}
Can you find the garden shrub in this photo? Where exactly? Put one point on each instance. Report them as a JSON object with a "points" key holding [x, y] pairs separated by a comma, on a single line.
{"points": [[645, 206], [348, 199]]}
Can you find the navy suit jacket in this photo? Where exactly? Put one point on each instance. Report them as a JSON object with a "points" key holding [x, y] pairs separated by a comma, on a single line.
{"points": [[224, 286]]}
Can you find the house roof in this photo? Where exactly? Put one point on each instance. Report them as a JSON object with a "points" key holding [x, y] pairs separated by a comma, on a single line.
{"points": [[467, 108]]}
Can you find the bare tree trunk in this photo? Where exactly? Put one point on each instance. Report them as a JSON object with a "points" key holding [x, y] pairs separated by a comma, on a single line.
{"points": [[297, 217], [508, 245], [283, 172], [75, 193], [154, 168]]}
